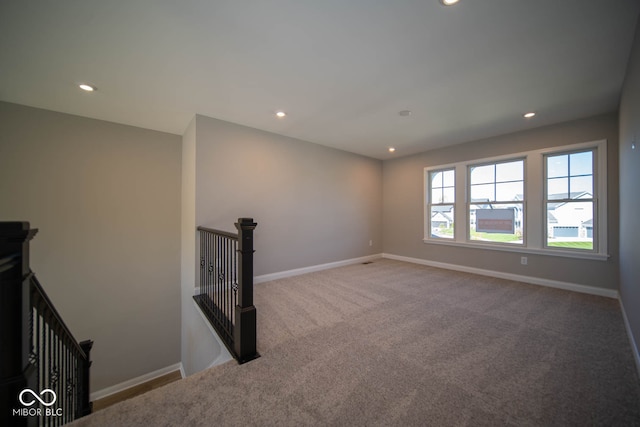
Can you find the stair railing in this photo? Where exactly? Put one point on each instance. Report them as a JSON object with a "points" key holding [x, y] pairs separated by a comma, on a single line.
{"points": [[44, 371], [225, 294]]}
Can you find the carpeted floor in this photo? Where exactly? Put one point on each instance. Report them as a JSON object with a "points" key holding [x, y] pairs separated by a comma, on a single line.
{"points": [[392, 343]]}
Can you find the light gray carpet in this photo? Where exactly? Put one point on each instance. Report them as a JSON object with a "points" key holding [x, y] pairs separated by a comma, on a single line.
{"points": [[392, 343]]}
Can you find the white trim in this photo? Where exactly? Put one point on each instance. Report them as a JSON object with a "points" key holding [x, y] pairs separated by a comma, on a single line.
{"points": [[312, 268], [506, 247], [610, 293], [632, 341], [100, 394]]}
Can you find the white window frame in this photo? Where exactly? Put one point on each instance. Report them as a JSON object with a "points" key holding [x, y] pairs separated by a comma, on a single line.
{"points": [[534, 208], [429, 203], [468, 201]]}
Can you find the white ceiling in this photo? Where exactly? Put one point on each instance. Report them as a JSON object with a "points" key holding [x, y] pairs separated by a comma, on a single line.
{"points": [[341, 69]]}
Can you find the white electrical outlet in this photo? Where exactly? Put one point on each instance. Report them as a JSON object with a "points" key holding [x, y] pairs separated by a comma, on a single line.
{"points": [[523, 260], [370, 242]]}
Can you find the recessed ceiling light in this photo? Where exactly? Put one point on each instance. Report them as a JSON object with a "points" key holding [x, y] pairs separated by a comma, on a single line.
{"points": [[392, 149], [528, 115], [281, 114], [87, 87], [449, 2]]}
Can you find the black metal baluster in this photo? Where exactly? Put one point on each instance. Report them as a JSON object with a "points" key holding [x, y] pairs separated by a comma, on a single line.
{"points": [[223, 287], [58, 367], [212, 272], [215, 272], [47, 383], [38, 350], [78, 393], [212, 269], [204, 269], [67, 382], [42, 355], [210, 284], [55, 344], [221, 278], [206, 292], [219, 254], [226, 284], [235, 281], [205, 285], [46, 380], [202, 254], [207, 263], [231, 283], [208, 254], [73, 409], [55, 370]]}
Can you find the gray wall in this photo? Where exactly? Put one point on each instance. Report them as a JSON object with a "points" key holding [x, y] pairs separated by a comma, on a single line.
{"points": [[106, 199], [630, 191], [403, 213], [313, 204]]}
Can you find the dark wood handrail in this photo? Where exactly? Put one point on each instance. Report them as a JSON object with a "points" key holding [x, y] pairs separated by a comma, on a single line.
{"points": [[219, 232], [52, 315]]}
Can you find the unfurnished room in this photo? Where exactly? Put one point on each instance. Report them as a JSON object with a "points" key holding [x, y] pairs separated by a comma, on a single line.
{"points": [[320, 213]]}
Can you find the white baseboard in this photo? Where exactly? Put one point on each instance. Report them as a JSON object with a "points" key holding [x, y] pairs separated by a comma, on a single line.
{"points": [[311, 269], [610, 293], [135, 381], [632, 341]]}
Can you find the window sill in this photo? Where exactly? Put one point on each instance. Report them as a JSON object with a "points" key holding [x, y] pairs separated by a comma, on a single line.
{"points": [[521, 249]]}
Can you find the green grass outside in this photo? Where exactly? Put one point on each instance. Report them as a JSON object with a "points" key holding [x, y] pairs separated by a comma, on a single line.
{"points": [[573, 245], [491, 237], [513, 238], [496, 237], [446, 231]]}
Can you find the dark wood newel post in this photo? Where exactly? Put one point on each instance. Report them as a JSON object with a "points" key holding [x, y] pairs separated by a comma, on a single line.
{"points": [[16, 371], [244, 331]]}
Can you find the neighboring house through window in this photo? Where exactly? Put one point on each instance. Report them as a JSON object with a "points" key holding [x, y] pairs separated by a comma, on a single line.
{"points": [[441, 197], [496, 202], [551, 201], [569, 191]]}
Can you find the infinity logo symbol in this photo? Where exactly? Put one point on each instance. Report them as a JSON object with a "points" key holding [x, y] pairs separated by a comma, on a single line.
{"points": [[42, 393]]}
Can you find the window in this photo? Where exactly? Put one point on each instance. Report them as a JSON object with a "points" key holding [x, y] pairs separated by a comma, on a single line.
{"points": [[570, 200], [441, 197], [496, 202], [551, 201]]}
